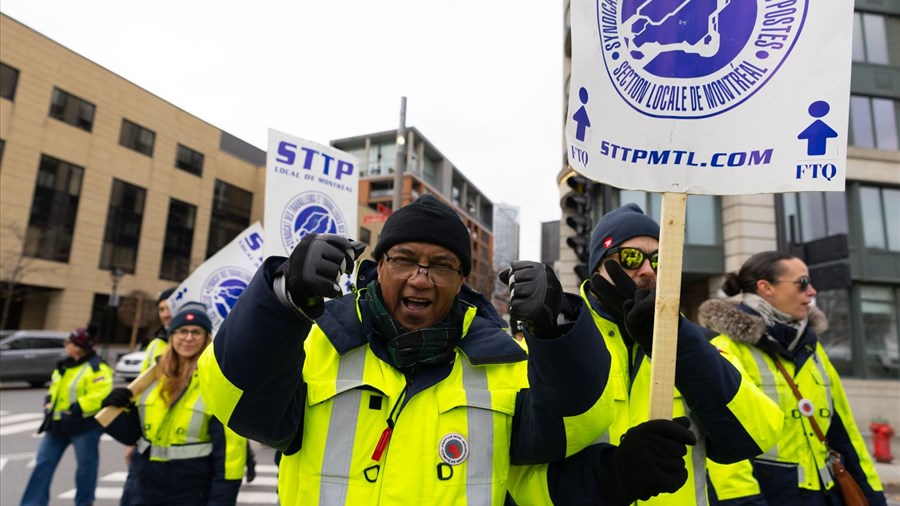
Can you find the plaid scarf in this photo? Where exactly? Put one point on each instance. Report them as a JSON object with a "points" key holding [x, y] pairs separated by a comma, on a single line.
{"points": [[407, 349]]}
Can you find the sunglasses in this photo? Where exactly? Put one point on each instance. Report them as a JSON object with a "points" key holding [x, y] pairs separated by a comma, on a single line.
{"points": [[803, 283], [633, 258]]}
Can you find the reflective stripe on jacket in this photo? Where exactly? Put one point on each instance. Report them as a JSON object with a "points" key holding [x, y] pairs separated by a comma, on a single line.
{"points": [[181, 432], [799, 460], [76, 394], [154, 350], [736, 419], [306, 379]]}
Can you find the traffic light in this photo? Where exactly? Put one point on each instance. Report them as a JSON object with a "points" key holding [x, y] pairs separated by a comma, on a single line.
{"points": [[577, 206]]}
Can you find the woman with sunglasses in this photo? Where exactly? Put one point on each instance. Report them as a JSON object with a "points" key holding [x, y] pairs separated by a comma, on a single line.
{"points": [[183, 454], [773, 332]]}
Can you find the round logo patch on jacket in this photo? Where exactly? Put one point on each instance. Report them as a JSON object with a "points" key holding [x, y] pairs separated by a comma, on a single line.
{"points": [[806, 407], [454, 449]]}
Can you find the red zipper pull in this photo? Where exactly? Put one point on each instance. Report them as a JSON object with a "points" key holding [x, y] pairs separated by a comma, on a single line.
{"points": [[382, 443]]}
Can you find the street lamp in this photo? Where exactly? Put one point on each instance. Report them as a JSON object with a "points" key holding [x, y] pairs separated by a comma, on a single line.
{"points": [[115, 275]]}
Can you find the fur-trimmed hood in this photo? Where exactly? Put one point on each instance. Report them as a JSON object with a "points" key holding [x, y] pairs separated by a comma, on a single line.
{"points": [[724, 317]]}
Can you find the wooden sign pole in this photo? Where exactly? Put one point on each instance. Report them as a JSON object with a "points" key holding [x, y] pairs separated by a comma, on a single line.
{"points": [[106, 415], [668, 299]]}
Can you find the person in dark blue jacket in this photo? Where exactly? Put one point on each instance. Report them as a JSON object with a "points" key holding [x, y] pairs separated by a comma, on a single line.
{"points": [[411, 389]]}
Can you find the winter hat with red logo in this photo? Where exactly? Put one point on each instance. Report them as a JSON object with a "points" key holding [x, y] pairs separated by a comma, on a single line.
{"points": [[191, 313], [616, 227], [84, 338]]}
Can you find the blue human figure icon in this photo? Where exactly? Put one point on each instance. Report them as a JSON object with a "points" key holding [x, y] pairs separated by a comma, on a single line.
{"points": [[818, 132], [581, 116]]}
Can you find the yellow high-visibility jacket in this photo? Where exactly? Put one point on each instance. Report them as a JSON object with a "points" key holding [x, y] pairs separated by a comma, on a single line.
{"points": [[795, 470], [183, 453], [458, 429], [77, 387]]}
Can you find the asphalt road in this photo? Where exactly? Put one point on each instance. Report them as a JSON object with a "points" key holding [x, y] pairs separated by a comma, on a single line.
{"points": [[20, 416]]}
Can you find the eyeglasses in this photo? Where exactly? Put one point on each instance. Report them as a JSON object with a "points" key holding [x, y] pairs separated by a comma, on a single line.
{"points": [[803, 282], [439, 275], [183, 332], [633, 258]]}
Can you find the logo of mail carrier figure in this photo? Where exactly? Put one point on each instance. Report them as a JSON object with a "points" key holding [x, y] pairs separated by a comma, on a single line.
{"points": [[310, 213], [695, 58], [221, 290]]}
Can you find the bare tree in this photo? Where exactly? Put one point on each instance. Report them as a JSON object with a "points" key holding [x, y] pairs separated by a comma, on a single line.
{"points": [[14, 266]]}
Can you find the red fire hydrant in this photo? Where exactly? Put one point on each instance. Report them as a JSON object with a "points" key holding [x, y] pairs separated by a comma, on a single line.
{"points": [[881, 436]]}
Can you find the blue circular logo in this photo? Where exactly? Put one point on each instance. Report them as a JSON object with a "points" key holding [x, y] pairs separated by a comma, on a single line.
{"points": [[310, 213], [221, 290], [695, 58]]}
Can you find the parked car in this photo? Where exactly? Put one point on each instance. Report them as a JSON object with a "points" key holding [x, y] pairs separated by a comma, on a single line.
{"points": [[129, 365], [31, 355]]}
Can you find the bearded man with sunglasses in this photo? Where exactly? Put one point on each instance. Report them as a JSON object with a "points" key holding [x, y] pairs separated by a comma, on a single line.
{"points": [[731, 418], [773, 331]]}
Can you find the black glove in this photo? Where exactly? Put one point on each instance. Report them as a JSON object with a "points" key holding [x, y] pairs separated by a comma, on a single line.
{"points": [[314, 268], [120, 397], [648, 461], [640, 312], [535, 297], [613, 296]]}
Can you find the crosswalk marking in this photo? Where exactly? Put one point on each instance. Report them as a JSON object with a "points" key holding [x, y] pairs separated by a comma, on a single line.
{"points": [[5, 419], [262, 491], [271, 481], [116, 476], [99, 493], [257, 497], [16, 428]]}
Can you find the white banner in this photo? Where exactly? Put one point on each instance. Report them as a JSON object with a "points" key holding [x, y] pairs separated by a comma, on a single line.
{"points": [[711, 96], [221, 279], [310, 188]]}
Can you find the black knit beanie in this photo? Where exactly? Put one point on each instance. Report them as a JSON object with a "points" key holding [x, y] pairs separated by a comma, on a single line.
{"points": [[165, 294], [191, 313], [427, 220], [616, 227]]}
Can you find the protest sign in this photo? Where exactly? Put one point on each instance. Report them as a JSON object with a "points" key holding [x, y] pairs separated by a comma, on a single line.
{"points": [[219, 281], [717, 97], [310, 188]]}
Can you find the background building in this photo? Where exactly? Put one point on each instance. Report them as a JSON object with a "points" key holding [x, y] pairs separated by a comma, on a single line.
{"points": [[106, 188], [850, 240], [550, 242], [506, 245], [98, 175], [426, 171]]}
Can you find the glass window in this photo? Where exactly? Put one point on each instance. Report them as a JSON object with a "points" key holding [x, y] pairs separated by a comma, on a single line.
{"points": [[54, 207], [176, 260], [892, 216], [881, 222], [123, 227], [9, 79], [813, 215], [136, 137], [879, 313], [837, 340], [382, 158], [230, 215], [873, 228], [189, 160], [886, 117], [859, 48], [874, 122], [701, 220], [861, 134], [72, 110], [875, 38]]}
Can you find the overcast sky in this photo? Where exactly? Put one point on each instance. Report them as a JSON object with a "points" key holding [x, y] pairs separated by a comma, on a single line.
{"points": [[483, 79]]}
